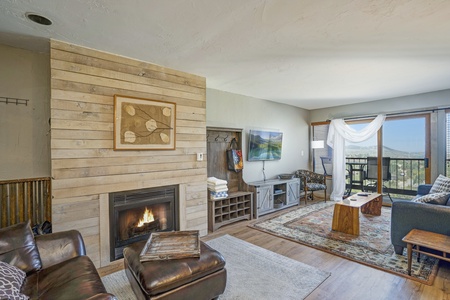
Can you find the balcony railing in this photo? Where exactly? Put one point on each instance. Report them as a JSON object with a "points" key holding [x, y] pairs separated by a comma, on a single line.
{"points": [[406, 175]]}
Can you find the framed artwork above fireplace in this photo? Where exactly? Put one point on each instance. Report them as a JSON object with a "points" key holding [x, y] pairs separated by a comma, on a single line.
{"points": [[143, 124]]}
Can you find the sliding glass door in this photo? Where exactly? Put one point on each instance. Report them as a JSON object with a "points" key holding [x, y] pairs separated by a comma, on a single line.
{"points": [[406, 143], [322, 153], [393, 162]]}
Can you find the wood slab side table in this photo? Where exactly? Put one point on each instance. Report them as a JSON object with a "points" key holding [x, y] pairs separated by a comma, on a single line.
{"points": [[416, 239], [346, 212]]}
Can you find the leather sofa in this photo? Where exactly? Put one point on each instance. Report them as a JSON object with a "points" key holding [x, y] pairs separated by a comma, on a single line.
{"points": [[407, 215], [56, 265]]}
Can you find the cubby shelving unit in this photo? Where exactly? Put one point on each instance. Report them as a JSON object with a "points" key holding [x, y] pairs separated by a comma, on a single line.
{"points": [[236, 207]]}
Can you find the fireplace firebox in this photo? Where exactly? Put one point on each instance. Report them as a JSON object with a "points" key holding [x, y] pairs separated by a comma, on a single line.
{"points": [[134, 215]]}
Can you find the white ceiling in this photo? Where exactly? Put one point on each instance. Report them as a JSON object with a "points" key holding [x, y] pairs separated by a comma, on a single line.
{"points": [[307, 53]]}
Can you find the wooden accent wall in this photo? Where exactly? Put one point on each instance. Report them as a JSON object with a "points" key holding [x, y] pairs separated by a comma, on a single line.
{"points": [[85, 168]]}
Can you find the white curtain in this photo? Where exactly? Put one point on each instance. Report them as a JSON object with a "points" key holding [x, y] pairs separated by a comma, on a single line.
{"points": [[338, 133]]}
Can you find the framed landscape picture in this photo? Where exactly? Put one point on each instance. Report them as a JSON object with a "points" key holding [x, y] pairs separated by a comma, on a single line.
{"points": [[143, 124]]}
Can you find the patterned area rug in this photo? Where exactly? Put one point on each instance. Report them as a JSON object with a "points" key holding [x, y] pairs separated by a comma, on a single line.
{"points": [[252, 273], [311, 226]]}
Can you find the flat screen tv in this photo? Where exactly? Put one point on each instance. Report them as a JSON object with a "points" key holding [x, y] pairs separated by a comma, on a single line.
{"points": [[264, 145]]}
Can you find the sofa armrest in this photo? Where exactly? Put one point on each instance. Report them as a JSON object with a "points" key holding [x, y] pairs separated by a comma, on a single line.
{"points": [[424, 189], [60, 246], [407, 215]]}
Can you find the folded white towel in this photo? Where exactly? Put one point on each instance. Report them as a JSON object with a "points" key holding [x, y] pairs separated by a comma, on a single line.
{"points": [[216, 181], [225, 189], [216, 185]]}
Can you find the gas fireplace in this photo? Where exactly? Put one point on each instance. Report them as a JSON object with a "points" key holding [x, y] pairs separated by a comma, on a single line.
{"points": [[134, 215]]}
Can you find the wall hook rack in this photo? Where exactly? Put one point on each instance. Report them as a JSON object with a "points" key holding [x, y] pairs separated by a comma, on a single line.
{"points": [[12, 100]]}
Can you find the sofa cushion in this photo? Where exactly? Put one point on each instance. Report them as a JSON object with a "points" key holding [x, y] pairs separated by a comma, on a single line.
{"points": [[73, 279], [18, 248], [423, 189], [441, 185], [11, 280], [316, 186], [435, 198]]}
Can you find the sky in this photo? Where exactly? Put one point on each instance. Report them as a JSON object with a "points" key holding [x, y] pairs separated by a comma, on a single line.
{"points": [[404, 135]]}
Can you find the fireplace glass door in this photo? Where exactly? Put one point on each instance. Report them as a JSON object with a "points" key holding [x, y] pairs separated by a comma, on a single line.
{"points": [[136, 214]]}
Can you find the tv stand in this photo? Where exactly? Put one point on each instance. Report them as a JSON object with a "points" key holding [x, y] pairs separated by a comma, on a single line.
{"points": [[275, 194]]}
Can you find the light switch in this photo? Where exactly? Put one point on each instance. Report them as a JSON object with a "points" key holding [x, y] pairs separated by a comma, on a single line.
{"points": [[199, 156]]}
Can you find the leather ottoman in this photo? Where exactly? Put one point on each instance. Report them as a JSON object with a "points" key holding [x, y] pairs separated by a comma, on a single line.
{"points": [[188, 278]]}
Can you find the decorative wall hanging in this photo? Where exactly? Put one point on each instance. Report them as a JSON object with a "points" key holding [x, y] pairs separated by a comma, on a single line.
{"points": [[143, 124], [234, 157]]}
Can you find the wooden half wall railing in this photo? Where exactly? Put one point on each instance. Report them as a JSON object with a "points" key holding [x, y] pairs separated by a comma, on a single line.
{"points": [[25, 199]]}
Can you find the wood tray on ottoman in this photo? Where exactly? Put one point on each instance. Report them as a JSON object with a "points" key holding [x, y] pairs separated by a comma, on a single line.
{"points": [[171, 245]]}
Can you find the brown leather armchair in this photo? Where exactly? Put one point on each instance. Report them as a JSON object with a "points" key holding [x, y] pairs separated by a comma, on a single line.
{"points": [[311, 182], [55, 264]]}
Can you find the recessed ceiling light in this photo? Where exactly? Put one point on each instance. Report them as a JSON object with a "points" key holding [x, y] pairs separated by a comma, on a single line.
{"points": [[38, 19]]}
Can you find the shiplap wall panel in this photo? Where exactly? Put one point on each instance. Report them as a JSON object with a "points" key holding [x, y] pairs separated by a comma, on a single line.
{"points": [[85, 167], [81, 134], [88, 88]]}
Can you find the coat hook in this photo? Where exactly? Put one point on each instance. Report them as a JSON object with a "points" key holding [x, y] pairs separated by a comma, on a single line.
{"points": [[217, 138], [225, 139]]}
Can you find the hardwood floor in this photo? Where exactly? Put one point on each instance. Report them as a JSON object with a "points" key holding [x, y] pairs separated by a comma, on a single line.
{"points": [[348, 280]]}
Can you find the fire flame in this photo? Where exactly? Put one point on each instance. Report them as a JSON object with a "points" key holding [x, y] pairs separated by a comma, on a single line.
{"points": [[147, 218]]}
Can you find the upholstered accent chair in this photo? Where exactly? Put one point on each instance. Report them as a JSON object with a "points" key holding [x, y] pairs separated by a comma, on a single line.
{"points": [[311, 182]]}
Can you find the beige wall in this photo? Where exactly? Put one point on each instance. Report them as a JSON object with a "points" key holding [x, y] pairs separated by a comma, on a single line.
{"points": [[226, 109], [24, 130], [85, 167], [392, 105]]}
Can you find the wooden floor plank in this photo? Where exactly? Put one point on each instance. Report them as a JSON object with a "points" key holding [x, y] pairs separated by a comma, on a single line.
{"points": [[348, 280]]}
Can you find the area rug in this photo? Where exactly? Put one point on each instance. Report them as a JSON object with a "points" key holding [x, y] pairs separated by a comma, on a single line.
{"points": [[252, 273], [311, 226], [117, 283]]}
